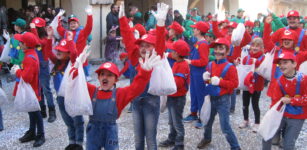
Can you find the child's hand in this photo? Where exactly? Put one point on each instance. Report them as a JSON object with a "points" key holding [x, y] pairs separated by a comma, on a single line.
{"points": [[69, 36], [89, 10], [151, 61], [286, 100], [6, 35], [162, 10], [32, 25], [188, 61], [215, 80]]}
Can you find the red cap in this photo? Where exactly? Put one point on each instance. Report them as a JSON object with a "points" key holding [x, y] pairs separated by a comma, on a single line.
{"points": [[177, 27], [73, 19], [149, 38], [249, 24], [285, 56], [281, 16], [293, 13], [28, 38], [289, 35], [305, 17], [202, 26], [141, 29], [39, 22], [123, 55], [232, 24], [181, 47], [62, 46], [153, 32], [222, 41], [226, 20], [249, 82], [110, 67], [220, 22]]}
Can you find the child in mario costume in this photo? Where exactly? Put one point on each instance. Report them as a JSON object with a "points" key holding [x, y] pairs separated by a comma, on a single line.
{"points": [[29, 72], [198, 60], [176, 102], [222, 79], [291, 89], [80, 34], [109, 101]]}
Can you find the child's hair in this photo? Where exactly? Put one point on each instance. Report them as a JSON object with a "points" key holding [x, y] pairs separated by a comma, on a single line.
{"points": [[41, 32], [258, 41]]}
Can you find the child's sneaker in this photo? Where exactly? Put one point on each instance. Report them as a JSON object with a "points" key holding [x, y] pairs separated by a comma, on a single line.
{"points": [[255, 128], [189, 118], [244, 124], [198, 124]]}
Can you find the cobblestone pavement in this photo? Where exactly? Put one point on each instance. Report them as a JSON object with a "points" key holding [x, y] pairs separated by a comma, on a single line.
{"points": [[56, 138]]}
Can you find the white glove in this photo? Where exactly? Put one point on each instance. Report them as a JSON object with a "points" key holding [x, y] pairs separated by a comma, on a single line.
{"points": [[121, 12], [151, 61], [14, 69], [6, 35], [215, 80], [206, 76], [160, 16], [89, 10], [61, 13]]}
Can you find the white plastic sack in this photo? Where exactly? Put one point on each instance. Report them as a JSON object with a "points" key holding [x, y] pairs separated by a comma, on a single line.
{"points": [[3, 97], [303, 68], [265, 68], [62, 88], [26, 100], [162, 82], [244, 52], [5, 52], [54, 24], [242, 71], [77, 100], [237, 34], [271, 121], [205, 111], [163, 101]]}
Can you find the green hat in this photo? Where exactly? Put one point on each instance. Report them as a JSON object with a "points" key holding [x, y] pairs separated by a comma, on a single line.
{"points": [[240, 10], [194, 9], [138, 15], [20, 22], [210, 33]]}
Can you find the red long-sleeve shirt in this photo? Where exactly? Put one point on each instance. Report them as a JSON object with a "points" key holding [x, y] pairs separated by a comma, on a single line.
{"points": [[43, 42], [181, 83], [230, 81], [203, 50], [29, 72], [259, 80], [289, 86], [126, 94], [83, 35]]}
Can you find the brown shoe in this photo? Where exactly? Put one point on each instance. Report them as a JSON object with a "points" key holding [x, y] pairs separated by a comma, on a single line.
{"points": [[203, 143]]}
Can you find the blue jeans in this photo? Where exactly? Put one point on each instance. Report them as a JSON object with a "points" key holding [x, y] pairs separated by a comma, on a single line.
{"points": [[44, 80], [146, 113], [291, 129], [1, 120], [233, 98], [221, 105], [175, 106], [36, 122], [75, 125], [101, 135]]}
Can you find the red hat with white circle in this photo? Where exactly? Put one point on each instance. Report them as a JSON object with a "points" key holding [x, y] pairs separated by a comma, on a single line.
{"points": [[285, 56], [177, 27], [28, 38], [110, 67], [289, 35], [249, 24], [232, 25], [181, 47], [222, 41], [148, 38], [293, 13], [62, 46], [202, 26], [39, 22]]}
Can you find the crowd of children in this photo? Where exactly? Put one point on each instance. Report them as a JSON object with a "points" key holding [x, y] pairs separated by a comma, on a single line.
{"points": [[204, 62]]}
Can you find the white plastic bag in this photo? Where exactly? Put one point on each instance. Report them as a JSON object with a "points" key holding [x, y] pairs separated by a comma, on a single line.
{"points": [[205, 111], [64, 81], [26, 100], [162, 82], [163, 101], [242, 71], [265, 68], [303, 68], [77, 100], [237, 34], [5, 52], [271, 121], [55, 22], [3, 97]]}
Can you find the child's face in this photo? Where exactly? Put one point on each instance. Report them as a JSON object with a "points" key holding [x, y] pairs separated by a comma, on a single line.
{"points": [[16, 28], [287, 66], [113, 34], [175, 55], [287, 43], [73, 25], [171, 32], [106, 79], [144, 47], [220, 52], [62, 55], [249, 29], [23, 46], [196, 32], [255, 48], [230, 29]]}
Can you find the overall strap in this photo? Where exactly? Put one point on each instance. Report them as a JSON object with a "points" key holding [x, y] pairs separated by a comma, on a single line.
{"points": [[281, 87], [95, 95], [77, 34], [225, 70], [210, 67], [184, 76], [300, 39], [231, 50], [114, 94], [298, 84]]}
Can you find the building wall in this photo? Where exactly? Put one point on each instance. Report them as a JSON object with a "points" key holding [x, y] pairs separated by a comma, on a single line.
{"points": [[16, 4]]}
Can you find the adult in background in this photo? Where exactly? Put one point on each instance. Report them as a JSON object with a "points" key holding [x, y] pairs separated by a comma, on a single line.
{"points": [[112, 18], [178, 17]]}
